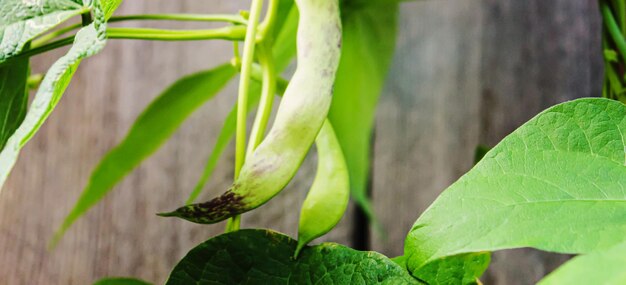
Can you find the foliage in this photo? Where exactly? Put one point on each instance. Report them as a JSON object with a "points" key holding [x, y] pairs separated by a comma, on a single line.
{"points": [[266, 257], [555, 184]]}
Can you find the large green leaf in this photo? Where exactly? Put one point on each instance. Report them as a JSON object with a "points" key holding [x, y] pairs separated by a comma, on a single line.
{"points": [[88, 41], [13, 97], [21, 21], [266, 257], [153, 127], [463, 269], [557, 183], [121, 281], [606, 267], [369, 36]]}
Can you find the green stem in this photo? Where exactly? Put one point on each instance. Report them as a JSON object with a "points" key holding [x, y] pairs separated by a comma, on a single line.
{"points": [[228, 18], [41, 49], [613, 29], [234, 33], [269, 21], [235, 19], [267, 97], [620, 8], [242, 100]]}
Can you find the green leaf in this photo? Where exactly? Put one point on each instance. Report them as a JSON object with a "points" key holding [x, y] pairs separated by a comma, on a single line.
{"points": [[88, 41], [556, 183], [13, 97], [606, 267], [153, 127], [21, 21], [121, 281], [369, 36], [265, 257], [109, 7], [464, 269]]}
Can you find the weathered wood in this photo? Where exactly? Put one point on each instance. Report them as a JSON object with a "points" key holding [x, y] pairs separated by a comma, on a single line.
{"points": [[122, 236], [427, 125], [535, 54], [470, 72]]}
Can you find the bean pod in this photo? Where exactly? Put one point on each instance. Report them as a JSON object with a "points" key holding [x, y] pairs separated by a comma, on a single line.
{"points": [[300, 116], [328, 197]]}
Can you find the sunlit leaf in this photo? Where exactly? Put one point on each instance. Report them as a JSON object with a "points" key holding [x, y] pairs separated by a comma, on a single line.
{"points": [[89, 40], [557, 183], [21, 21], [109, 7]]}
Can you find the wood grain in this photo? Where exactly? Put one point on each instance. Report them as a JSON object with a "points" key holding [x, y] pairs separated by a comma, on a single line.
{"points": [[464, 73], [469, 73]]}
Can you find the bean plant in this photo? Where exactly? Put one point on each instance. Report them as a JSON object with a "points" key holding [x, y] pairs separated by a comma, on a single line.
{"points": [[557, 183]]}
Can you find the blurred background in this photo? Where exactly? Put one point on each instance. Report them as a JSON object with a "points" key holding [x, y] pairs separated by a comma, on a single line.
{"points": [[465, 72]]}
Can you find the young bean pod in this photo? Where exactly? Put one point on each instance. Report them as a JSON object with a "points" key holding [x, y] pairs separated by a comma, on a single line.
{"points": [[328, 197], [300, 116]]}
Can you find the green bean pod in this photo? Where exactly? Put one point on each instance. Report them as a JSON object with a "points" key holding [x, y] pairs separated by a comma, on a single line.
{"points": [[300, 116], [328, 197]]}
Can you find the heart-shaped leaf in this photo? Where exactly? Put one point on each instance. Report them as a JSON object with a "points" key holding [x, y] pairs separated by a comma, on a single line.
{"points": [[266, 257], [558, 183]]}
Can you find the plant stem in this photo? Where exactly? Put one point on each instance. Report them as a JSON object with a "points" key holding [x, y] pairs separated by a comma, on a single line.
{"points": [[620, 8], [44, 48], [242, 99], [613, 29], [267, 97], [268, 23], [234, 33], [235, 19]]}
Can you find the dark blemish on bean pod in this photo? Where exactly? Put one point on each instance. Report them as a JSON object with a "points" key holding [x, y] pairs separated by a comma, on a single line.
{"points": [[220, 208]]}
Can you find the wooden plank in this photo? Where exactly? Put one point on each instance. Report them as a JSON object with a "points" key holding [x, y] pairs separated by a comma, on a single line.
{"points": [[535, 54], [469, 72], [121, 236], [427, 123]]}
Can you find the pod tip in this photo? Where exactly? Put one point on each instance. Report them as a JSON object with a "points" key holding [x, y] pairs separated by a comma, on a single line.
{"points": [[168, 214], [301, 244]]}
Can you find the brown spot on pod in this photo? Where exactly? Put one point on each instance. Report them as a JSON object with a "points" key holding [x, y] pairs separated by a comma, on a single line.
{"points": [[216, 210]]}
